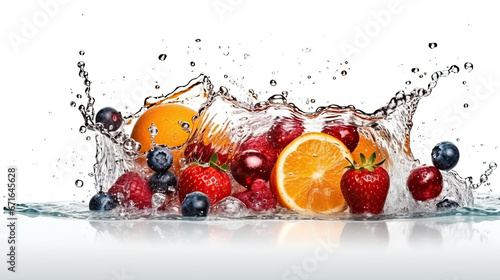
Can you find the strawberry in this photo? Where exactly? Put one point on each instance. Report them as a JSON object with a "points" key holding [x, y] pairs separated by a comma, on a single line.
{"points": [[133, 190], [365, 187], [212, 181], [259, 198]]}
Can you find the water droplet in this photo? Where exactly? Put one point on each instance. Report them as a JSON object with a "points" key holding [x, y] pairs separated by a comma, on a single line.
{"points": [[433, 45], [83, 129], [153, 130], [273, 83], [246, 55], [464, 82], [408, 82], [284, 93], [466, 105], [454, 69], [79, 183], [80, 64], [197, 40], [72, 104], [91, 174], [334, 78], [315, 155], [483, 179], [226, 54], [157, 86], [162, 57], [468, 66], [493, 166], [415, 70], [88, 138], [309, 76], [421, 76], [192, 63], [225, 76], [82, 53], [458, 139], [346, 62], [251, 91], [343, 73], [186, 127], [313, 100], [78, 96]]}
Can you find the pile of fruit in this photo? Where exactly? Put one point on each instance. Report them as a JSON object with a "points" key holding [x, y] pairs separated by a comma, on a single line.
{"points": [[313, 172]]}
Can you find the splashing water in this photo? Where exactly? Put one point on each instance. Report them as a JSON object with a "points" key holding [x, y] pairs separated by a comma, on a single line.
{"points": [[225, 122]]}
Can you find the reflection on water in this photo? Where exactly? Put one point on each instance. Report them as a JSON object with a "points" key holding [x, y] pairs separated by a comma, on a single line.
{"points": [[413, 233]]}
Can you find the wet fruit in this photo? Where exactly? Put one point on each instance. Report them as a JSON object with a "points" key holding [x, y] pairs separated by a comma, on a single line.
{"points": [[365, 186], [110, 118], [160, 159], [284, 131], [425, 182], [250, 166], [212, 181], [200, 152], [447, 204], [165, 183], [348, 134], [259, 197], [260, 143], [196, 204], [132, 190], [173, 122], [445, 156], [102, 202], [307, 175]]}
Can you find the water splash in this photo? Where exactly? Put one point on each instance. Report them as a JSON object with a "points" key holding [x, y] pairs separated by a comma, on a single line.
{"points": [[225, 122]]}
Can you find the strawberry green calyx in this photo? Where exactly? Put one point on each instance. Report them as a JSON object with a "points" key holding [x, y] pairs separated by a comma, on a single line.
{"points": [[365, 164], [213, 163]]}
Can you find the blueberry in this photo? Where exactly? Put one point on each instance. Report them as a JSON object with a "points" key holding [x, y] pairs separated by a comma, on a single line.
{"points": [[160, 159], [163, 182], [445, 155], [110, 118], [447, 204], [103, 202], [196, 204]]}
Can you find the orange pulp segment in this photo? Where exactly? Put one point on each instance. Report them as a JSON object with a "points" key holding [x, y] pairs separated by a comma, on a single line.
{"points": [[307, 175]]}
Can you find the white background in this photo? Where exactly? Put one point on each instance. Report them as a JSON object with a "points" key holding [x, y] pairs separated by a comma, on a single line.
{"points": [[40, 47]]}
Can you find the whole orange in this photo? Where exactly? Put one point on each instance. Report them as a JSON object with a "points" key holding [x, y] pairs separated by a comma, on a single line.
{"points": [[169, 119]]}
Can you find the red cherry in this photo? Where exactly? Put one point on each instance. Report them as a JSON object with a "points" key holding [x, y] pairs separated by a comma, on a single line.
{"points": [[284, 131], [347, 134], [250, 166], [425, 182]]}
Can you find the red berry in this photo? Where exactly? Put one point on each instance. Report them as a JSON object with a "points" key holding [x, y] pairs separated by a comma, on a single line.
{"points": [[259, 197], [202, 153], [261, 144], [211, 181], [347, 134], [365, 187], [250, 166], [133, 189], [284, 131], [425, 182]]}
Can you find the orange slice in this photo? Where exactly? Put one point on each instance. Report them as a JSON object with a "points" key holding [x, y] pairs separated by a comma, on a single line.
{"points": [[307, 175]]}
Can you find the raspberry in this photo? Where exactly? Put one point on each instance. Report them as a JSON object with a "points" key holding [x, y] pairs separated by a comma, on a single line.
{"points": [[134, 190], [258, 198]]}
